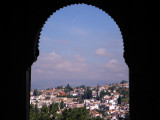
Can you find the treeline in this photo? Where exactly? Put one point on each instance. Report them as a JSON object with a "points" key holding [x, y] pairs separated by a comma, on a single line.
{"points": [[87, 94], [50, 113], [124, 98], [102, 93], [36, 92]]}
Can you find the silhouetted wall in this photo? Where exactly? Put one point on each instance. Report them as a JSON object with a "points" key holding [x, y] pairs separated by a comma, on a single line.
{"points": [[22, 25]]}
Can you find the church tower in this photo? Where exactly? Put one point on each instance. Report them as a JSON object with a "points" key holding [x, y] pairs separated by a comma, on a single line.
{"points": [[106, 86]]}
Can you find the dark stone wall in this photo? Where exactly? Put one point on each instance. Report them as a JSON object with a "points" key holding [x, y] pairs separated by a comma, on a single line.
{"points": [[22, 25]]}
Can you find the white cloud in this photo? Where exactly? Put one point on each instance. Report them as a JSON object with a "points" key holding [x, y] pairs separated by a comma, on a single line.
{"points": [[51, 66], [79, 58], [101, 52], [54, 66], [115, 65], [113, 61], [71, 66]]}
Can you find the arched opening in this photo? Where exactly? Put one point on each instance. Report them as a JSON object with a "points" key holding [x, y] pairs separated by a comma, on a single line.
{"points": [[100, 51], [24, 21]]}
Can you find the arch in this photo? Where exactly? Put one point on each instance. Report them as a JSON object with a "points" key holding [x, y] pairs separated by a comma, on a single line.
{"points": [[39, 15], [23, 21]]}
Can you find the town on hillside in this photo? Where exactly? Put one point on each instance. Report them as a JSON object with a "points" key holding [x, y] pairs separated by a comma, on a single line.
{"points": [[108, 102]]}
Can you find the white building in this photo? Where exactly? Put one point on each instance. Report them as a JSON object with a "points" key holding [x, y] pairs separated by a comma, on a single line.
{"points": [[87, 102], [106, 97], [122, 115], [111, 107], [92, 107], [74, 94], [113, 102], [101, 88], [114, 117]]}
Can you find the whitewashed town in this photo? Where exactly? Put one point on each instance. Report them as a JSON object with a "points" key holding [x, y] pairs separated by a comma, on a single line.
{"points": [[108, 102]]}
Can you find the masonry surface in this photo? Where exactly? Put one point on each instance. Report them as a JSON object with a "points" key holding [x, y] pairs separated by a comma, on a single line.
{"points": [[23, 24]]}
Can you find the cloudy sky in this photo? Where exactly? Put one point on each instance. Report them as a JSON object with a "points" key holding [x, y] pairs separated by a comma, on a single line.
{"points": [[79, 45]]}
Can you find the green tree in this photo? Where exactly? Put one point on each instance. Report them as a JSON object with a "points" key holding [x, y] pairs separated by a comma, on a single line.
{"points": [[47, 97], [32, 115], [35, 92], [83, 86], [44, 113], [112, 88], [62, 105], [75, 114], [68, 88], [87, 94], [125, 100], [125, 92], [123, 81], [97, 118], [59, 87], [80, 100], [37, 111], [34, 112], [127, 117], [97, 97], [53, 108], [102, 93], [108, 93], [119, 100]]}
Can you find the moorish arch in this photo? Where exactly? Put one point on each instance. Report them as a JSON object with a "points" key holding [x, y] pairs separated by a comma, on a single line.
{"points": [[24, 23], [117, 13], [119, 18]]}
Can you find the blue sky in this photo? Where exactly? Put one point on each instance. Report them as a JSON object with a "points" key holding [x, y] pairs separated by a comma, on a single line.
{"points": [[79, 45]]}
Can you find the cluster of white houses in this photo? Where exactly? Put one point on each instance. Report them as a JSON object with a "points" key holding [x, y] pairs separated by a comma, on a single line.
{"points": [[108, 103]]}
